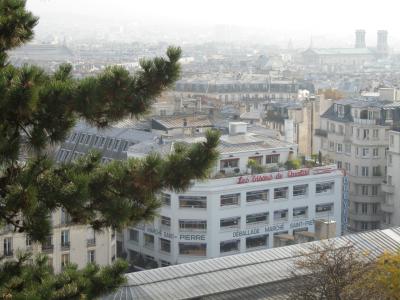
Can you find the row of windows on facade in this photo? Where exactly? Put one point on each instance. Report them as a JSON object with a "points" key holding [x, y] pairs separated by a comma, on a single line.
{"points": [[359, 151], [48, 244], [200, 249], [65, 155], [363, 134], [254, 196], [364, 171], [98, 141], [366, 208], [233, 223], [234, 162]]}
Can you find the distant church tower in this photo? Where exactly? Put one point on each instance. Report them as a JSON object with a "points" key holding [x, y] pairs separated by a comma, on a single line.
{"points": [[360, 39], [382, 43]]}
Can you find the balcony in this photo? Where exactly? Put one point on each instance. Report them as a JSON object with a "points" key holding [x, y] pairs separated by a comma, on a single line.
{"points": [[369, 217], [366, 121], [91, 242], [321, 132], [65, 246], [387, 207], [387, 188], [47, 248]]}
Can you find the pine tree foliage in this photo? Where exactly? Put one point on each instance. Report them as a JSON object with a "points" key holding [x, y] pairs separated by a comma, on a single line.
{"points": [[38, 110]]}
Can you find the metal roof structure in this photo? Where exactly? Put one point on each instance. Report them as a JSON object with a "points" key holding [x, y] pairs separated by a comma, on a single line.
{"points": [[264, 274]]}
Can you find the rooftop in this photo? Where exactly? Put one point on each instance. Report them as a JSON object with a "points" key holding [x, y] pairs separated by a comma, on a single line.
{"points": [[259, 275]]}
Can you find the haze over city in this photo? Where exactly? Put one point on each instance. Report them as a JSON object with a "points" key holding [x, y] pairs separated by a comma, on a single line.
{"points": [[328, 23]]}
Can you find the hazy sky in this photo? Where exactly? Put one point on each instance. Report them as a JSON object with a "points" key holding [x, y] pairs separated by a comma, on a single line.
{"points": [[297, 18]]}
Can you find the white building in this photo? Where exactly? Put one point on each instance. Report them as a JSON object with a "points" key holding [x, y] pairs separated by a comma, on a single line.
{"points": [[69, 243], [235, 211], [391, 186]]}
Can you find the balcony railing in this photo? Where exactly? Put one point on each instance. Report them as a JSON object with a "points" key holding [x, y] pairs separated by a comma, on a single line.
{"points": [[47, 248], [91, 242], [65, 246], [321, 132]]}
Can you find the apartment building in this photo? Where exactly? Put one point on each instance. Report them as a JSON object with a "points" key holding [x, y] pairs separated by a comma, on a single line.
{"points": [[354, 134], [68, 243], [391, 186], [237, 210]]}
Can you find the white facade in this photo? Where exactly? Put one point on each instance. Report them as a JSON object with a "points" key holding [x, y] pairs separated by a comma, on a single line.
{"points": [[68, 243], [355, 137], [391, 186], [240, 212]]}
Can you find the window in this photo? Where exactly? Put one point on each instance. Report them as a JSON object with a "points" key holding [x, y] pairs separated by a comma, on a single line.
{"points": [[391, 140], [64, 260], [300, 190], [365, 134], [281, 193], [166, 199], [116, 145], [110, 143], [192, 202], [192, 225], [365, 152], [341, 128], [125, 146], [358, 132], [165, 221], [257, 159], [374, 191], [339, 148], [325, 187], [364, 208], [165, 245], [323, 208], [91, 254], [261, 195], [374, 208], [281, 215], [272, 159], [82, 138], [347, 148], [339, 164], [65, 217], [390, 160], [347, 166], [376, 171], [96, 141], [364, 171], [64, 238], [102, 141], [73, 137], [375, 133], [364, 190], [257, 218], [134, 235], [389, 179], [332, 128], [257, 241], [28, 241], [148, 240], [229, 163], [8, 248], [331, 145], [300, 212], [364, 225], [87, 140], [229, 246], [192, 249], [229, 223], [230, 199], [375, 152]]}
